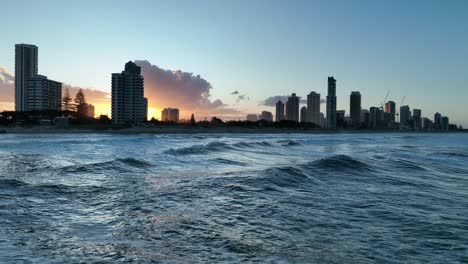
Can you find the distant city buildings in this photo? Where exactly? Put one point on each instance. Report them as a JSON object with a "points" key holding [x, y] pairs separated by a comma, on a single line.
{"points": [[304, 114], [331, 103], [266, 116], [313, 108], [170, 115], [279, 111], [405, 116], [292, 108], [444, 121], [128, 101], [390, 108], [26, 67], [42, 94], [252, 117], [355, 109], [417, 119], [340, 118]]}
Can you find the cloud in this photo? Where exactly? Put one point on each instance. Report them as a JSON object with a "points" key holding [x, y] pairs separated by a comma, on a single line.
{"points": [[242, 98], [271, 101], [186, 91], [235, 92]]}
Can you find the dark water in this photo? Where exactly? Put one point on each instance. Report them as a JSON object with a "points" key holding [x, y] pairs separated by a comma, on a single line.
{"points": [[370, 198]]}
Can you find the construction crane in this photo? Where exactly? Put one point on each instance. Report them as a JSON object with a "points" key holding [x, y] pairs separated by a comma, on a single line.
{"points": [[385, 100], [397, 111]]}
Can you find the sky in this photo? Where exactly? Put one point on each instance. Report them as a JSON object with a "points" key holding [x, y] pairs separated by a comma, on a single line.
{"points": [[241, 53]]}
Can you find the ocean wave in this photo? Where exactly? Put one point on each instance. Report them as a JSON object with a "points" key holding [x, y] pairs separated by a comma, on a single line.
{"points": [[339, 162], [288, 142], [453, 154], [228, 161], [121, 164], [217, 146], [407, 165]]}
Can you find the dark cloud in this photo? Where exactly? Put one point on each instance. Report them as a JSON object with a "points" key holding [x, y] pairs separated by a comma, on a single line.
{"points": [[235, 92], [242, 98], [184, 90], [271, 101]]}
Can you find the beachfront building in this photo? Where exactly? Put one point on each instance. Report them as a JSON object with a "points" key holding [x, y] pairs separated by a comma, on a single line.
{"points": [[444, 123], [331, 103], [313, 108], [252, 117], [417, 119], [279, 111], [355, 109], [405, 115], [304, 114], [42, 94], [170, 115], [267, 116], [390, 108], [26, 67], [292, 108], [128, 101]]}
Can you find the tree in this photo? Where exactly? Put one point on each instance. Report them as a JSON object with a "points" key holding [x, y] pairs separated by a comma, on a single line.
{"points": [[67, 101], [81, 105], [192, 120]]}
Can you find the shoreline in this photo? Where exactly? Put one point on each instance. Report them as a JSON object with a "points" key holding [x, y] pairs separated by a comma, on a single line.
{"points": [[202, 130]]}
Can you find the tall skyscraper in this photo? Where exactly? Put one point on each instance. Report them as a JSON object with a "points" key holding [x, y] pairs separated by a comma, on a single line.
{"points": [[331, 103], [26, 67], [304, 114], [437, 120], [279, 111], [390, 107], [42, 94], [417, 119], [128, 101], [405, 115], [444, 123], [355, 108], [292, 108], [313, 108]]}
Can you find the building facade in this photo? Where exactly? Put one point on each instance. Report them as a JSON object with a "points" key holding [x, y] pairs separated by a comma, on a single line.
{"points": [[304, 114], [405, 115], [42, 94], [313, 108], [390, 108], [26, 67], [279, 111], [331, 103], [170, 115], [128, 101], [292, 108], [417, 119], [267, 116], [355, 109]]}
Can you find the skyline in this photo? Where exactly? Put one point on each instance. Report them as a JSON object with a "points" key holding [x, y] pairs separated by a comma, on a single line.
{"points": [[413, 60]]}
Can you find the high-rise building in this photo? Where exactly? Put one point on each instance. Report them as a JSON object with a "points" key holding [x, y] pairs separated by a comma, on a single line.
{"points": [[267, 116], [331, 103], [26, 67], [390, 107], [365, 117], [355, 109], [170, 115], [340, 118], [128, 101], [444, 123], [376, 117], [42, 94], [427, 123], [437, 120], [304, 114], [417, 119], [292, 108], [405, 115], [279, 111], [145, 108], [313, 108]]}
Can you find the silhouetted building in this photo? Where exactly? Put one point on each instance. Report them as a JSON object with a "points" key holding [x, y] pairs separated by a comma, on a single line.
{"points": [[365, 117], [417, 119], [331, 103], [340, 118], [292, 108], [355, 109], [374, 117], [128, 101], [304, 114], [267, 116], [437, 121], [444, 123], [25, 68], [279, 111], [42, 94], [252, 117], [390, 107], [405, 115], [170, 115], [313, 108], [323, 121], [145, 108], [427, 123]]}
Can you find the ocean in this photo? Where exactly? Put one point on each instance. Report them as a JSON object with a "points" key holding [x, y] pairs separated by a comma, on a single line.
{"points": [[234, 198]]}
